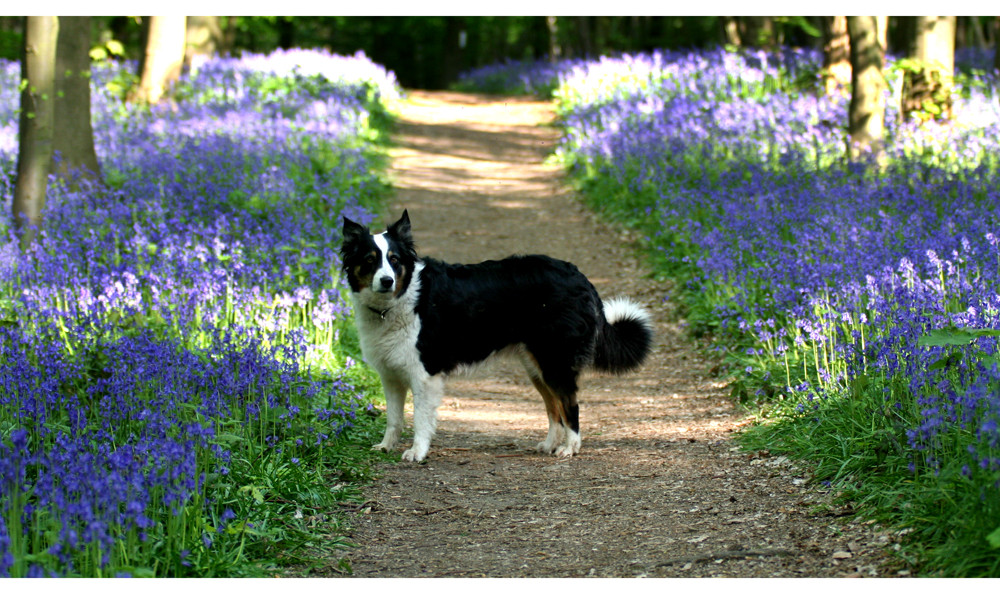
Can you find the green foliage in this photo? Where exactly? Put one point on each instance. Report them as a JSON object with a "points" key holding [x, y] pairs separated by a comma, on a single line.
{"points": [[109, 49], [11, 43], [856, 444]]}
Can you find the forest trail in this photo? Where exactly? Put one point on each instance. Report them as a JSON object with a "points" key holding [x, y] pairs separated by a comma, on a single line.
{"points": [[659, 488]]}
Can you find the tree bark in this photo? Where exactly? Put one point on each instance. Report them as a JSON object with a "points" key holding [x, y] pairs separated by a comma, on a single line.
{"points": [[836, 55], [74, 145], [996, 41], [731, 31], [204, 39], [866, 115], [977, 32], [555, 50], [882, 33], [35, 132], [758, 31], [163, 59], [454, 50], [583, 34], [927, 88]]}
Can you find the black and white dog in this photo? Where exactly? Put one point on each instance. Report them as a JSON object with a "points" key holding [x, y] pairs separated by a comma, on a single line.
{"points": [[420, 319]]}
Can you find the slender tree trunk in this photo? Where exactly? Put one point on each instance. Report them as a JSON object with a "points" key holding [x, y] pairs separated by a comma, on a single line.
{"points": [[977, 32], [34, 156], [731, 31], [163, 59], [996, 41], [836, 55], [228, 40], [452, 64], [927, 89], [555, 50], [637, 32], [583, 33], [286, 33], [74, 145], [866, 115]]}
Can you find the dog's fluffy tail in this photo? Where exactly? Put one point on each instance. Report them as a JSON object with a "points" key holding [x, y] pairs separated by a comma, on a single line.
{"points": [[625, 339]]}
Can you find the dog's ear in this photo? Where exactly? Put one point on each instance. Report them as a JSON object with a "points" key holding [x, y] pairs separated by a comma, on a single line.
{"points": [[401, 231], [401, 228], [352, 233]]}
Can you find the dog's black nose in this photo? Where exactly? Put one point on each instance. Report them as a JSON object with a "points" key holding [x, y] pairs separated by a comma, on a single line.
{"points": [[386, 282]]}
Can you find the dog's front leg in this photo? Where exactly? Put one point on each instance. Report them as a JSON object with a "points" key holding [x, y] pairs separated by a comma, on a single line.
{"points": [[395, 397], [426, 399]]}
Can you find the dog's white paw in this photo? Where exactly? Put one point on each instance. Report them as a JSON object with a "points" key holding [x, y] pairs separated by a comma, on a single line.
{"points": [[546, 447], [414, 455], [384, 447], [571, 447], [565, 451], [556, 435]]}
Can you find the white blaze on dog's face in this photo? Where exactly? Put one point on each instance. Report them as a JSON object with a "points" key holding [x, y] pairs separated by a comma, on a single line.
{"points": [[384, 279]]}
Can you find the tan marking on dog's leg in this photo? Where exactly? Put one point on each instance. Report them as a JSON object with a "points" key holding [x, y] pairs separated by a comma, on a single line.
{"points": [[556, 414]]}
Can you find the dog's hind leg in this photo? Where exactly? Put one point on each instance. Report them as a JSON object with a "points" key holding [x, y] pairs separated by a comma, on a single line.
{"points": [[427, 394], [552, 408], [561, 427], [395, 397], [571, 444], [556, 414], [560, 380]]}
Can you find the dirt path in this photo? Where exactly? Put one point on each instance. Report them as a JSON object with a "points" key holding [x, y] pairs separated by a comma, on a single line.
{"points": [[659, 487]]}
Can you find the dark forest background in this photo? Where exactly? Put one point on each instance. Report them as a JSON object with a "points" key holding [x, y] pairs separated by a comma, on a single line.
{"points": [[430, 52]]}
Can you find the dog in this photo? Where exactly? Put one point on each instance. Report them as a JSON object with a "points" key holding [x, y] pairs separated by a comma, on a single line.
{"points": [[420, 319]]}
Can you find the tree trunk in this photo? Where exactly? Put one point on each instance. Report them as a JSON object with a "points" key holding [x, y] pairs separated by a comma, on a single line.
{"points": [[74, 145], [228, 40], [996, 41], [927, 87], [555, 50], [731, 31], [977, 32], [203, 39], [866, 115], [34, 156], [836, 55], [758, 31], [882, 33], [454, 49], [163, 59], [586, 45], [637, 31], [286, 33]]}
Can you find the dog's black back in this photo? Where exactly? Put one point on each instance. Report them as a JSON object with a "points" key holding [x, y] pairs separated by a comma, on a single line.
{"points": [[468, 311]]}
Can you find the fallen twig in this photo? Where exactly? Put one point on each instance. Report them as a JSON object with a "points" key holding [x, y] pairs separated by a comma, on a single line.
{"points": [[440, 509], [727, 555]]}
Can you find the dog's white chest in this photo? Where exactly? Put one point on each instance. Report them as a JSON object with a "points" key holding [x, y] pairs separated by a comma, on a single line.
{"points": [[390, 344]]}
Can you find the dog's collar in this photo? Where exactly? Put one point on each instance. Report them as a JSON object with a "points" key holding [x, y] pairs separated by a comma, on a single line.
{"points": [[381, 312]]}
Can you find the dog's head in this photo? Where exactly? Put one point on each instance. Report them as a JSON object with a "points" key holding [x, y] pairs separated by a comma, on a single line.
{"points": [[381, 265]]}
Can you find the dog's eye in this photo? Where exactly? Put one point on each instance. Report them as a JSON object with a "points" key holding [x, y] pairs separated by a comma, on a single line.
{"points": [[370, 259], [393, 260]]}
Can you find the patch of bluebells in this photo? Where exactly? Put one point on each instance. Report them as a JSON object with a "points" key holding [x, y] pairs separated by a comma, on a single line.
{"points": [[829, 272], [198, 289], [517, 77]]}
